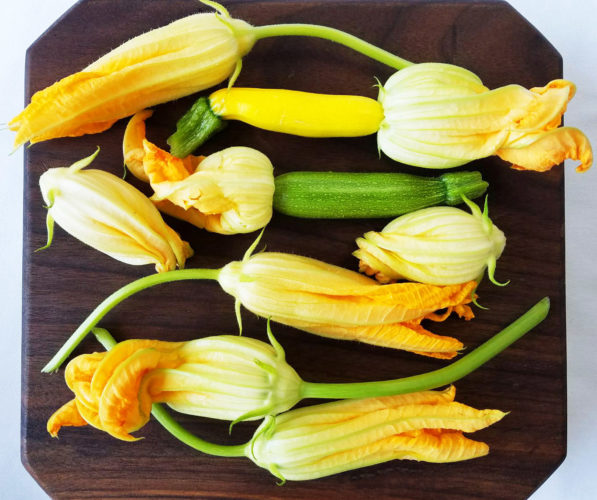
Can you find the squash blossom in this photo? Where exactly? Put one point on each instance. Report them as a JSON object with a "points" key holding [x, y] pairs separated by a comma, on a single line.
{"points": [[427, 115], [164, 64], [227, 377], [318, 298], [438, 245], [322, 440], [107, 213], [228, 192], [184, 57], [224, 377], [334, 302], [442, 116]]}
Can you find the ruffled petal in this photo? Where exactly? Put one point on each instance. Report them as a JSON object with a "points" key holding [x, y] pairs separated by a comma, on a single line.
{"points": [[543, 150]]}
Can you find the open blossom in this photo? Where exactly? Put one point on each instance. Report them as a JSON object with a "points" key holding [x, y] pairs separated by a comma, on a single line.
{"points": [[437, 245], [228, 192], [322, 440], [442, 116], [184, 57], [334, 302], [225, 377], [108, 214]]}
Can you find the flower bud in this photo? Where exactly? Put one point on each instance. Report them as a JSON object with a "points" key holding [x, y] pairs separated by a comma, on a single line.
{"points": [[225, 377], [107, 213], [322, 440], [442, 116], [438, 245]]}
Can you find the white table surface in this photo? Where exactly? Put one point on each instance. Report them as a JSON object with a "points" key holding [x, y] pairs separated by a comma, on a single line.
{"points": [[572, 29]]}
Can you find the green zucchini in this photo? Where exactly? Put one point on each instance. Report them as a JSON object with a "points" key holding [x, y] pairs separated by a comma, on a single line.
{"points": [[346, 195]]}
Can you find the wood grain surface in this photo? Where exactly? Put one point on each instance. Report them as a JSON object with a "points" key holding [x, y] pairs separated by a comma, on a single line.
{"points": [[64, 283]]}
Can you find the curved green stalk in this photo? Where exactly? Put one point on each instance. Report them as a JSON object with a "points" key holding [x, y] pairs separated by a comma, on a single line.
{"points": [[173, 427], [333, 35], [180, 433], [118, 296], [437, 378]]}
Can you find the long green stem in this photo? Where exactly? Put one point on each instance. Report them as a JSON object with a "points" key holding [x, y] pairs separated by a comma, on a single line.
{"points": [[334, 35], [113, 300], [173, 427], [436, 378]]}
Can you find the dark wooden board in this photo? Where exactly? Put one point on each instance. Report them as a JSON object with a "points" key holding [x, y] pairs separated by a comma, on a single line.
{"points": [[63, 284]]}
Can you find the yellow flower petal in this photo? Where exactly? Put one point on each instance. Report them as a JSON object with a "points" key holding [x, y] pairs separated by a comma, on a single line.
{"points": [[437, 245]]}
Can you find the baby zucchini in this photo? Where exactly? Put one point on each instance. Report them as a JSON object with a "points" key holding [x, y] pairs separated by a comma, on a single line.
{"points": [[345, 195]]}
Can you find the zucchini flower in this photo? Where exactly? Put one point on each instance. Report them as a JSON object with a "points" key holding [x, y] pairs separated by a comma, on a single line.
{"points": [[228, 192], [427, 115], [442, 116], [438, 245], [232, 377], [164, 64], [114, 390], [318, 298], [108, 214], [184, 57], [322, 440], [334, 302]]}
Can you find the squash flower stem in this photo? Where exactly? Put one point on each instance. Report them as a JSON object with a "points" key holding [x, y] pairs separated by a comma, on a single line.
{"points": [[173, 427], [333, 35], [435, 378], [116, 298]]}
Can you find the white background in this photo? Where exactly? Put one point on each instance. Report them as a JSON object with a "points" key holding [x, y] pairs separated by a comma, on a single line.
{"points": [[572, 29]]}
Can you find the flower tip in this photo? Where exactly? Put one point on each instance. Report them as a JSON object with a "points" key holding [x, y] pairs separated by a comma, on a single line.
{"points": [[81, 164]]}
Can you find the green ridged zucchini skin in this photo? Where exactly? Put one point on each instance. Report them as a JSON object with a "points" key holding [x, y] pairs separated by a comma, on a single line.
{"points": [[348, 195]]}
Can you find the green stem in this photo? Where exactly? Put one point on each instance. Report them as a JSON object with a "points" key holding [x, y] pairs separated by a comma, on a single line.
{"points": [[173, 427], [436, 378], [118, 296], [180, 433], [334, 35], [104, 337]]}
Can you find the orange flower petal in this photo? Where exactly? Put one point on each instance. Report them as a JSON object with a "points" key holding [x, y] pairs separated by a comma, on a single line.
{"points": [[543, 150], [66, 415], [160, 166], [406, 336], [132, 144]]}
